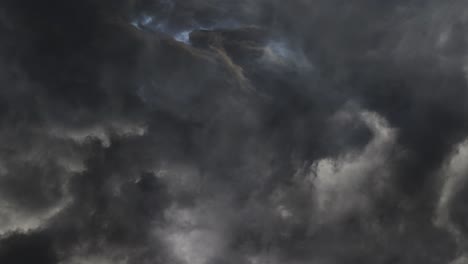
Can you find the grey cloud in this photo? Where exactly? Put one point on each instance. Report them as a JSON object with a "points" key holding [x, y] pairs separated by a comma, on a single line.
{"points": [[253, 131]]}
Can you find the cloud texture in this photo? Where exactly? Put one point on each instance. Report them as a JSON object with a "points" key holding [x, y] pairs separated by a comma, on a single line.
{"points": [[247, 132]]}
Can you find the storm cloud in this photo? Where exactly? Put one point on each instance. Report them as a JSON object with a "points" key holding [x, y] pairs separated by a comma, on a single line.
{"points": [[216, 132]]}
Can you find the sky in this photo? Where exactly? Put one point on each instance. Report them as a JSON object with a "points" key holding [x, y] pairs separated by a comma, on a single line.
{"points": [[222, 132]]}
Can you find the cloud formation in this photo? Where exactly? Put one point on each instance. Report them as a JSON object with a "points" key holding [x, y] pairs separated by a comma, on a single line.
{"points": [[216, 131]]}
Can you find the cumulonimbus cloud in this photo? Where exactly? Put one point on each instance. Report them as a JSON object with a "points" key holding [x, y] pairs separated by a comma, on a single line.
{"points": [[254, 131]]}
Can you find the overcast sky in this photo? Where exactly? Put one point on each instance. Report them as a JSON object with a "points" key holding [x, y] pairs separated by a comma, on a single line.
{"points": [[233, 132]]}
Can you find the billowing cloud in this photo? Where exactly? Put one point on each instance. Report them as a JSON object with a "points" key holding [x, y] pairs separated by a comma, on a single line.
{"points": [[251, 131]]}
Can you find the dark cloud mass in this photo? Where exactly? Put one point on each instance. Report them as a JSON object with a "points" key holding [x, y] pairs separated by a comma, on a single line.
{"points": [[247, 132]]}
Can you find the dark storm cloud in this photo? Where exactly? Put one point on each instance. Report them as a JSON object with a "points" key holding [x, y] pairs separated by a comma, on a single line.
{"points": [[232, 132]]}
